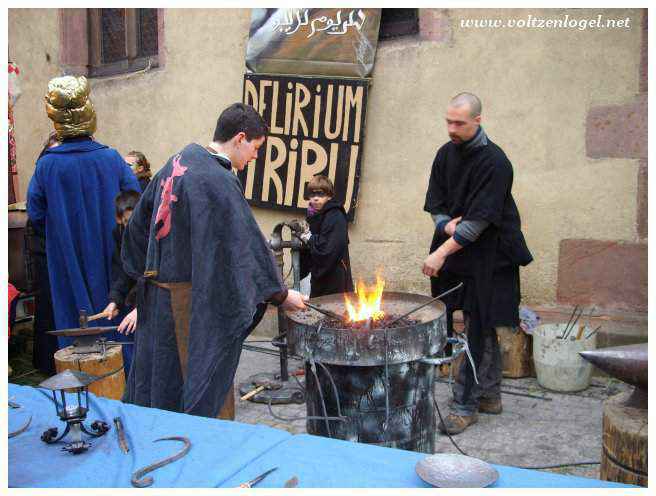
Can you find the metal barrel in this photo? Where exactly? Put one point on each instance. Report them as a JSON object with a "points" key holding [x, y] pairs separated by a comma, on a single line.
{"points": [[410, 424]]}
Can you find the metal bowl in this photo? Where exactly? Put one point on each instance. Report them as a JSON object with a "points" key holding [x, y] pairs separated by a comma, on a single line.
{"points": [[452, 470]]}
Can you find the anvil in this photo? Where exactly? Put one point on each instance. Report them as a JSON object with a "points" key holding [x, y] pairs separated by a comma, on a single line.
{"points": [[626, 363]]}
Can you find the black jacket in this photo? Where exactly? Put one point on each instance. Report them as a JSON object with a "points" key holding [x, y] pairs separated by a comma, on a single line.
{"points": [[327, 256], [476, 184]]}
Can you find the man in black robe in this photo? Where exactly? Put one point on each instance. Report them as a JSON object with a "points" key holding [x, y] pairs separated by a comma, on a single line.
{"points": [[204, 272], [477, 241]]}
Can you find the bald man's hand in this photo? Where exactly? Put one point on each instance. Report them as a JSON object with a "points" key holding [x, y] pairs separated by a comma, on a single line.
{"points": [[433, 264]]}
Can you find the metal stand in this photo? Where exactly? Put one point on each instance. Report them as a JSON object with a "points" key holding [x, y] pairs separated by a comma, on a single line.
{"points": [[278, 390]]}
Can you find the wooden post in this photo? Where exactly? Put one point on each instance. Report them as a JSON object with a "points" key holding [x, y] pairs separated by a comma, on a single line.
{"points": [[624, 442], [96, 364]]}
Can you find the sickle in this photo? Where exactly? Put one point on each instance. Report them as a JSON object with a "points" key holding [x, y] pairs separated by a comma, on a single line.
{"points": [[22, 429], [138, 479]]}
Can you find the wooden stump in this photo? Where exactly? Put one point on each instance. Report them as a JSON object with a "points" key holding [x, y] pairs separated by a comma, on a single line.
{"points": [[227, 411], [624, 444], [96, 364], [515, 349]]}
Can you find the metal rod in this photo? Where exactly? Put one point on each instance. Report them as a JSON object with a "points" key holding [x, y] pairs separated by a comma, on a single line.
{"points": [[573, 324], [424, 304], [576, 307], [328, 313], [593, 332]]}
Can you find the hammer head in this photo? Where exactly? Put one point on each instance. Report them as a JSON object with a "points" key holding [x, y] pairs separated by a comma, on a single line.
{"points": [[83, 319]]}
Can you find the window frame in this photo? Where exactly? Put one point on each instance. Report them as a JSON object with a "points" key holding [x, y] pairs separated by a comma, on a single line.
{"points": [[399, 28], [133, 62]]}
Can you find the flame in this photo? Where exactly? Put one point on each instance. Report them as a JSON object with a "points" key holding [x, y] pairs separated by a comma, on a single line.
{"points": [[369, 301]]}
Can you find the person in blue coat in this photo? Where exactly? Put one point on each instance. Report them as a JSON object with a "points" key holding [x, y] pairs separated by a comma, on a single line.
{"points": [[72, 195]]}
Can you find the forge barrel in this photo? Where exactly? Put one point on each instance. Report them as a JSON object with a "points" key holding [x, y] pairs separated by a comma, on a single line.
{"points": [[346, 371]]}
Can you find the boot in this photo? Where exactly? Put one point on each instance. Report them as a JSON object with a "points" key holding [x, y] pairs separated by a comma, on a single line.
{"points": [[455, 424], [490, 405]]}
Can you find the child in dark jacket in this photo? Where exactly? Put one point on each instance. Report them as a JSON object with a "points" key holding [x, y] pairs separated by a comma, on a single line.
{"points": [[326, 255], [122, 290]]}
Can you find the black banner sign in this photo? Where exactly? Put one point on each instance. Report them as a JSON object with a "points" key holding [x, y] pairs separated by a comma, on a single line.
{"points": [[316, 126]]}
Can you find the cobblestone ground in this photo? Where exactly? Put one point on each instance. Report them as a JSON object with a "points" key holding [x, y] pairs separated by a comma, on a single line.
{"points": [[537, 427]]}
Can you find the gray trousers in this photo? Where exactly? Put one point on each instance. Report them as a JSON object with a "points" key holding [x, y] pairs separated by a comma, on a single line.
{"points": [[466, 393]]}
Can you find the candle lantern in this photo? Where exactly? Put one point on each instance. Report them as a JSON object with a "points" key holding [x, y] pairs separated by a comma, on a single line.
{"points": [[73, 413]]}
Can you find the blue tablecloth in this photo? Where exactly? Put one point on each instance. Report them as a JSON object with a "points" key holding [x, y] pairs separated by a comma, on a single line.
{"points": [[322, 462], [224, 454], [219, 448]]}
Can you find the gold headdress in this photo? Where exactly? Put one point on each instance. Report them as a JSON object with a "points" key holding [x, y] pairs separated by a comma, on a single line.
{"points": [[69, 107]]}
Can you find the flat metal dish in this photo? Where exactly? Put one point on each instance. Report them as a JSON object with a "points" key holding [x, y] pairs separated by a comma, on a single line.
{"points": [[452, 470]]}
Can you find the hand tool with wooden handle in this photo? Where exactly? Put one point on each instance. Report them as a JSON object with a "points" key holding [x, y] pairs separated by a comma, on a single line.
{"points": [[252, 393], [84, 320], [257, 479]]}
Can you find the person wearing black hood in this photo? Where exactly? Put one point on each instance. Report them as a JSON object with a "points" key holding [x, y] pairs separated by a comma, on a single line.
{"points": [[326, 256], [477, 241]]}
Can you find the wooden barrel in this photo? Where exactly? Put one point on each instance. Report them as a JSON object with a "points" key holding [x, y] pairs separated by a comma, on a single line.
{"points": [[227, 411], [624, 444], [515, 349], [96, 364]]}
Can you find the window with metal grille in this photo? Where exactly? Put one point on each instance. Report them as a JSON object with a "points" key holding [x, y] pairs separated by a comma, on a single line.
{"points": [[398, 22], [122, 40]]}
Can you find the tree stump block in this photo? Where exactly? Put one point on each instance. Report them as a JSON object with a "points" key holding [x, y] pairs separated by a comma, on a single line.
{"points": [[515, 348], [624, 444], [96, 364]]}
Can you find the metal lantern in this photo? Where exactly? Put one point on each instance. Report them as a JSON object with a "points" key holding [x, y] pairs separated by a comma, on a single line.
{"points": [[74, 414]]}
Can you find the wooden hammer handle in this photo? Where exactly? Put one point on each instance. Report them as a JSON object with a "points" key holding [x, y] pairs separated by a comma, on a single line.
{"points": [[252, 393], [96, 317]]}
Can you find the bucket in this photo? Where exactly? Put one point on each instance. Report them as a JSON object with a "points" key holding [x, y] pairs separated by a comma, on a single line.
{"points": [[558, 365]]}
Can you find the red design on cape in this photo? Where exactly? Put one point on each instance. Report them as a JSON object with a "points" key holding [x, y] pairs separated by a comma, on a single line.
{"points": [[164, 210]]}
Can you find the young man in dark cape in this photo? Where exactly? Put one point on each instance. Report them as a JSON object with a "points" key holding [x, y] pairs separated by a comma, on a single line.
{"points": [[477, 241], [204, 272], [71, 197]]}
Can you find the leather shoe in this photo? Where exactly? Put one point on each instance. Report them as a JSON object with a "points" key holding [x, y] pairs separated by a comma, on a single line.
{"points": [[455, 424]]}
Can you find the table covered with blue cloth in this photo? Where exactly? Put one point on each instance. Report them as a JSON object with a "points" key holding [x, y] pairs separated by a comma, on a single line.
{"points": [[223, 453]]}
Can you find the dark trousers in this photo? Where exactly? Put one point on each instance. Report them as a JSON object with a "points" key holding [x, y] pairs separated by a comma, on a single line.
{"points": [[487, 359]]}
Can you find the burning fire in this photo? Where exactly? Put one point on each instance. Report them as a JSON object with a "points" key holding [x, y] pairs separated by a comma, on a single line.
{"points": [[368, 304]]}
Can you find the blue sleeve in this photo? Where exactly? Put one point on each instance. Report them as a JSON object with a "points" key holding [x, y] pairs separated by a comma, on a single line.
{"points": [[36, 199], [128, 179]]}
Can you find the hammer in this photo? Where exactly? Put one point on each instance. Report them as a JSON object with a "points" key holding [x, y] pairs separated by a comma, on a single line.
{"points": [[84, 320]]}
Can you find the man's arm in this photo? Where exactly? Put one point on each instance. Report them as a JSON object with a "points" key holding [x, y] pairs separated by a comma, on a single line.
{"points": [[434, 262]]}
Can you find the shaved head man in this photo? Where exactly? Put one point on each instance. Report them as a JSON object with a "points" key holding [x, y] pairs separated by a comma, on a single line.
{"points": [[478, 241]]}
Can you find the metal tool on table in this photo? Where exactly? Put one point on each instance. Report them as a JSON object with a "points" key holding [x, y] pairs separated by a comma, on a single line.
{"points": [[21, 429], [138, 479], [293, 482], [257, 479], [120, 432], [452, 470]]}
